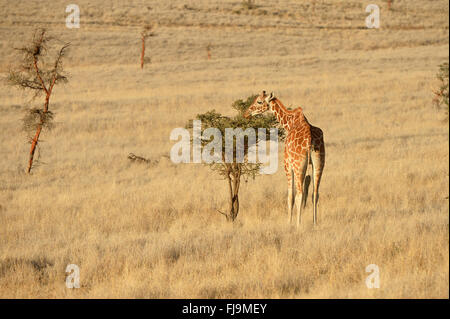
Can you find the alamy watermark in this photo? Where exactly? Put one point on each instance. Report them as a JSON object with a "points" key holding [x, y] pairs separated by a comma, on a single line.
{"points": [[73, 19], [373, 19], [241, 146], [373, 280], [73, 279]]}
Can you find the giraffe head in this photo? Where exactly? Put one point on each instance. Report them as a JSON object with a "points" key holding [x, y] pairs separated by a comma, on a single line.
{"points": [[269, 98], [259, 106]]}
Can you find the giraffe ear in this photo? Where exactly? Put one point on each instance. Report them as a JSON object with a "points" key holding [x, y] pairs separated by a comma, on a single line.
{"points": [[270, 97]]}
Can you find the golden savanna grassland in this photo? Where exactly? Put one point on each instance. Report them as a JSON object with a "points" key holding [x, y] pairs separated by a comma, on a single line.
{"points": [[152, 230]]}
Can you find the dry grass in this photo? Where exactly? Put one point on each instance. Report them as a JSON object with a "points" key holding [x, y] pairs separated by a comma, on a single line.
{"points": [[144, 231]]}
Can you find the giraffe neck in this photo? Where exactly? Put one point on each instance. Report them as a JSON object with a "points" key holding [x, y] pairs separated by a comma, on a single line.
{"points": [[283, 115]]}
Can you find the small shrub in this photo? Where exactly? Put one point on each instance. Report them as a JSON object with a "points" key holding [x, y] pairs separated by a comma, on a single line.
{"points": [[249, 4], [441, 95]]}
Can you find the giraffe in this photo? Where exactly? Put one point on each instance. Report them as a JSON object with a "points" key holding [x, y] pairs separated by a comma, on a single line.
{"points": [[303, 145]]}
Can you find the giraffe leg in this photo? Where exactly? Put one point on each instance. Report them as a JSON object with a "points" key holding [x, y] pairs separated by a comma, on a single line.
{"points": [[306, 184], [290, 201], [299, 174], [318, 161]]}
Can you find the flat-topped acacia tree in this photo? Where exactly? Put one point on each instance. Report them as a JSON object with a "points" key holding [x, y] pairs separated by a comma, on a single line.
{"points": [[40, 69], [234, 170]]}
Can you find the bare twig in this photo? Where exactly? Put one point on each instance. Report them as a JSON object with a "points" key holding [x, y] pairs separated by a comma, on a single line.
{"points": [[226, 215], [139, 159]]}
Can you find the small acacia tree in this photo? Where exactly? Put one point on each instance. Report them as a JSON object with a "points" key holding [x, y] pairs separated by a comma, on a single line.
{"points": [[145, 33], [234, 170], [249, 4], [208, 51], [39, 71], [441, 97]]}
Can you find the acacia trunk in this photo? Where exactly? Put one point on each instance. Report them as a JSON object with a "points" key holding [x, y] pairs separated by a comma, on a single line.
{"points": [[233, 183], [35, 139], [33, 147], [142, 52]]}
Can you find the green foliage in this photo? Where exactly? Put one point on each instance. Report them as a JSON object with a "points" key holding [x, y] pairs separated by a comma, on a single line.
{"points": [[441, 97], [241, 106], [34, 118], [39, 70]]}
